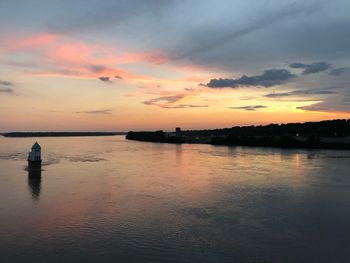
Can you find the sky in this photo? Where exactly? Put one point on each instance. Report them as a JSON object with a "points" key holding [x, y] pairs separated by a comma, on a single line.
{"points": [[91, 65]]}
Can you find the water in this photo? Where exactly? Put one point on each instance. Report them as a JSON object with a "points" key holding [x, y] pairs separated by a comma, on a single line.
{"points": [[106, 199]]}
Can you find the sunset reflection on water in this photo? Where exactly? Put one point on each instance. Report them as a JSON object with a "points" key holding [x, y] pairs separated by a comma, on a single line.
{"points": [[105, 198]]}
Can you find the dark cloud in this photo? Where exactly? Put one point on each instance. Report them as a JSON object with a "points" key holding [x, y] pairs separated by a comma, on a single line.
{"points": [[322, 107], [313, 107], [249, 107], [311, 68], [338, 71], [6, 90], [6, 83], [297, 65], [103, 112], [105, 79], [331, 104], [269, 78], [118, 77], [301, 93], [6, 87]]}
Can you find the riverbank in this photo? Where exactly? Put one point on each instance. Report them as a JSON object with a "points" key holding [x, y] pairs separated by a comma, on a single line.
{"points": [[333, 134]]}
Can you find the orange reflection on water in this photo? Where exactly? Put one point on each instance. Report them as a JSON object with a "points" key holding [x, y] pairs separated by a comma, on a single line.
{"points": [[110, 182]]}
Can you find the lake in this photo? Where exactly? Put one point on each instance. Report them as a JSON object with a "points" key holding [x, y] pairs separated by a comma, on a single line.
{"points": [[107, 199]]}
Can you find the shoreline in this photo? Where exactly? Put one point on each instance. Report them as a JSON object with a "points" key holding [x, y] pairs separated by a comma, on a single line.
{"points": [[323, 146], [59, 134], [334, 134]]}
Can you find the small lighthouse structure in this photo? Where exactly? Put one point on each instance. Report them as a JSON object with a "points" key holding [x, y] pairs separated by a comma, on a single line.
{"points": [[34, 157]]}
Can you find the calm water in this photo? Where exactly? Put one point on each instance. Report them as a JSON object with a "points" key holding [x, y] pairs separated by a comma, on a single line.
{"points": [[106, 199]]}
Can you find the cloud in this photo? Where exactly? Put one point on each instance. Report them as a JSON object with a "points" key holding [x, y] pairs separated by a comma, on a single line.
{"points": [[322, 107], [244, 38], [249, 107], [96, 68], [34, 42], [170, 102], [165, 99], [6, 83], [6, 87], [313, 107], [269, 78], [6, 90], [338, 71], [311, 68], [93, 39], [58, 55], [218, 38], [338, 104], [247, 98], [105, 79], [103, 112], [96, 15], [301, 93], [184, 106]]}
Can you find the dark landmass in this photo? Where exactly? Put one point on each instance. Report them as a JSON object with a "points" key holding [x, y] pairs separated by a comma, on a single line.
{"points": [[333, 134], [60, 134]]}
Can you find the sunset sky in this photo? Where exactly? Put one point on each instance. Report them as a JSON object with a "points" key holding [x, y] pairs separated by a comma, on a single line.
{"points": [[92, 65]]}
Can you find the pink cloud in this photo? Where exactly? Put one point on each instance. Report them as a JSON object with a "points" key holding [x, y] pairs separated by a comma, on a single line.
{"points": [[53, 55], [14, 44]]}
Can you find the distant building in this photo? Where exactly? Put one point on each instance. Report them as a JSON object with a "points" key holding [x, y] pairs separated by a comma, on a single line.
{"points": [[178, 132], [34, 157]]}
